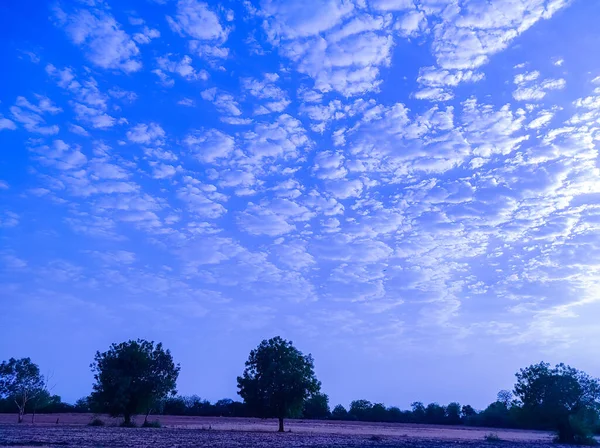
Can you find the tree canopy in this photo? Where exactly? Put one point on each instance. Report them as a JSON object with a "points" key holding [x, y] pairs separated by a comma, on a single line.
{"points": [[562, 397], [132, 377], [277, 380], [20, 382]]}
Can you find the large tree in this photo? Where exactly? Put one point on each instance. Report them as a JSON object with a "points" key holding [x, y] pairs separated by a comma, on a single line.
{"points": [[132, 377], [277, 380], [562, 397], [21, 382]]}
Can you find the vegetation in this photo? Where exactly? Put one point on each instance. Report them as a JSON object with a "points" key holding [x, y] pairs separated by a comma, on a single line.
{"points": [[138, 377], [22, 384], [277, 380], [132, 377]]}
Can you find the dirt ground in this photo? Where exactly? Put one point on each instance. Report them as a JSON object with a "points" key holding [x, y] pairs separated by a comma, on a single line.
{"points": [[184, 432]]}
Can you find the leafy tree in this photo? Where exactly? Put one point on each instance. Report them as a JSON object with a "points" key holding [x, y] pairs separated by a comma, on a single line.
{"points": [[453, 414], [132, 377], [435, 414], [360, 410], [418, 412], [339, 413], [316, 406], [277, 380], [505, 397], [21, 382], [562, 397]]}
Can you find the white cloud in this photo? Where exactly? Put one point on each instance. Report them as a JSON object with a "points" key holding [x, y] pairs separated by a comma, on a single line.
{"points": [[146, 134], [210, 146], [5, 123], [195, 19], [183, 68], [224, 102], [106, 44]]}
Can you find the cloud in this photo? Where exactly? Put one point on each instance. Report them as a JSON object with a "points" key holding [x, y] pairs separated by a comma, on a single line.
{"points": [[146, 134], [195, 19], [106, 44], [30, 116], [210, 146], [183, 68]]}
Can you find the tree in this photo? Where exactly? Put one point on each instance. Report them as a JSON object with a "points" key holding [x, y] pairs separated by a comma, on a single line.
{"points": [[562, 397], [316, 406], [277, 380], [339, 413], [435, 414], [360, 410], [505, 397], [20, 382], [453, 414], [132, 377], [418, 412]]}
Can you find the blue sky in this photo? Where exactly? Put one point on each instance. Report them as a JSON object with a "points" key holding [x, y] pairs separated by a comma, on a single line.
{"points": [[409, 190]]}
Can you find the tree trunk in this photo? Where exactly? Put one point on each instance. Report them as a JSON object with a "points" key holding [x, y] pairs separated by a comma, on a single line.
{"points": [[127, 418], [280, 424], [21, 413], [33, 416]]}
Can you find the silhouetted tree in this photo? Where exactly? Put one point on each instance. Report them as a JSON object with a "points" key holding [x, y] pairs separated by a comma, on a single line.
{"points": [[339, 413], [435, 414], [21, 383], [316, 406], [418, 412], [132, 377], [277, 379], [453, 414], [562, 397], [360, 410]]}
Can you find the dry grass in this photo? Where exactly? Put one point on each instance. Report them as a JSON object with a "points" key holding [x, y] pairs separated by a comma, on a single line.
{"points": [[72, 428]]}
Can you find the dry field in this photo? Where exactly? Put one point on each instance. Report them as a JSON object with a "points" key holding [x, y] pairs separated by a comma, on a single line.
{"points": [[184, 432]]}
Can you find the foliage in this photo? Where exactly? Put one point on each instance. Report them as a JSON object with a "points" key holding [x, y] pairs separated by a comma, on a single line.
{"points": [[96, 422], [132, 378], [561, 398], [339, 413], [21, 382], [316, 407], [277, 380]]}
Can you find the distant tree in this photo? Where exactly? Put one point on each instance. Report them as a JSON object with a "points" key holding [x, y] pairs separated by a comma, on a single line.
{"points": [[505, 397], [360, 410], [277, 379], [339, 413], [316, 406], [418, 412], [132, 377], [435, 414], [82, 405], [467, 411], [453, 414], [562, 397], [21, 382]]}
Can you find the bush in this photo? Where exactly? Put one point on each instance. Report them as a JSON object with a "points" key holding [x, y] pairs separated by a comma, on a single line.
{"points": [[96, 422], [492, 437], [153, 424]]}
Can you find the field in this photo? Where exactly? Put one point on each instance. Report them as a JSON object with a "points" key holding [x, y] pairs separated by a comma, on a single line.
{"points": [[184, 432]]}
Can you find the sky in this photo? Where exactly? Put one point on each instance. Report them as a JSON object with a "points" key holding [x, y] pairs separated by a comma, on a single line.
{"points": [[407, 189]]}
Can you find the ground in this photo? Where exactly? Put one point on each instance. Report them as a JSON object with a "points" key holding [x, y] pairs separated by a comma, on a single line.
{"points": [[187, 432]]}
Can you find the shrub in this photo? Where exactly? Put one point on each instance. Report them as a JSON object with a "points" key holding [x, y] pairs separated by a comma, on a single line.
{"points": [[96, 422], [492, 437]]}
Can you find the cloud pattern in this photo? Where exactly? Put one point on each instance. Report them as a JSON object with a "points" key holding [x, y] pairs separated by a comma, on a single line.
{"points": [[389, 173]]}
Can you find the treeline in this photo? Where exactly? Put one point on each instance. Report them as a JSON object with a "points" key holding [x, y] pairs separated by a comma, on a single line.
{"points": [[139, 378]]}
